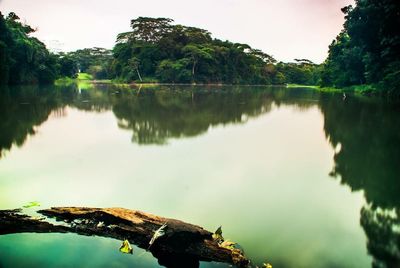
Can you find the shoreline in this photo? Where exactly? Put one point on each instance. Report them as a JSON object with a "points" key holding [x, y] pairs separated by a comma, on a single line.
{"points": [[362, 90]]}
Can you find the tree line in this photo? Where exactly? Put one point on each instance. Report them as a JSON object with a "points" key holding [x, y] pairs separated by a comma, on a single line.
{"points": [[154, 51], [366, 52], [158, 51], [26, 60]]}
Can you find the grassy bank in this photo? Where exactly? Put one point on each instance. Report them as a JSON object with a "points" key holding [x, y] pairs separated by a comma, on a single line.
{"points": [[86, 81], [358, 89]]}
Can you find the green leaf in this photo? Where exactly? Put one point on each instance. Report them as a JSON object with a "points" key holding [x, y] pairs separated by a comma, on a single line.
{"points": [[32, 204], [217, 236]]}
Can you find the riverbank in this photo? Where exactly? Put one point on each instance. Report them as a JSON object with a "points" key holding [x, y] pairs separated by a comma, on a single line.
{"points": [[86, 81], [364, 90]]}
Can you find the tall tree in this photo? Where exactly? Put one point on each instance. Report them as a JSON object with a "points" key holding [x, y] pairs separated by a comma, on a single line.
{"points": [[134, 63], [368, 48], [146, 29]]}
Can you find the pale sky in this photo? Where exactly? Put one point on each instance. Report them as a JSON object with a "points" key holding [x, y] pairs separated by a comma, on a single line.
{"points": [[286, 29]]}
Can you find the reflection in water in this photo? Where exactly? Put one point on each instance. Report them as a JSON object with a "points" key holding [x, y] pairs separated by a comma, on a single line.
{"points": [[382, 227], [154, 115], [368, 132], [364, 133], [21, 111]]}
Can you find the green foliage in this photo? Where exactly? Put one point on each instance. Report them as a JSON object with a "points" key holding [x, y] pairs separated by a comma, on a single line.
{"points": [[367, 51], [23, 59], [68, 66], [32, 204], [148, 30], [155, 50], [182, 54], [94, 61], [301, 72], [174, 71], [344, 66], [84, 76]]}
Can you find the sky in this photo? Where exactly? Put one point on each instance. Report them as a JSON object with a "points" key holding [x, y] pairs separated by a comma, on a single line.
{"points": [[285, 29]]}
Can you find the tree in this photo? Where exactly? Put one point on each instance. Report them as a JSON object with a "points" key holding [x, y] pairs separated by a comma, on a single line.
{"points": [[134, 64], [68, 66], [174, 71], [88, 57], [368, 48], [197, 53], [262, 56], [149, 30], [23, 59]]}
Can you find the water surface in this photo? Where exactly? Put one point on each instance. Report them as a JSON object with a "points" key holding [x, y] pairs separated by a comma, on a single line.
{"points": [[298, 178]]}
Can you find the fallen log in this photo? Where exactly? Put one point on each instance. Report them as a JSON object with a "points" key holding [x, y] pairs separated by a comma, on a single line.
{"points": [[12, 221], [181, 245]]}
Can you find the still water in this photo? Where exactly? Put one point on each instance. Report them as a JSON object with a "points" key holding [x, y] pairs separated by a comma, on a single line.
{"points": [[296, 177]]}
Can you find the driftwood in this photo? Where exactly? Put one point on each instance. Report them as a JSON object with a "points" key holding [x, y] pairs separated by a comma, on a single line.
{"points": [[182, 245]]}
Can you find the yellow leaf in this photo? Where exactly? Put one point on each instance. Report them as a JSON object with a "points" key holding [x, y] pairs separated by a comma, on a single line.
{"points": [[227, 244], [126, 247]]}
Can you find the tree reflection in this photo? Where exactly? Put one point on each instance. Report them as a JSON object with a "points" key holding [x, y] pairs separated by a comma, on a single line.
{"points": [[366, 135], [364, 132], [382, 227], [153, 115], [21, 110], [159, 115]]}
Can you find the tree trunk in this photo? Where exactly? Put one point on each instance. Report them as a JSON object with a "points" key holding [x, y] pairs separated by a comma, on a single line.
{"points": [[194, 66], [183, 244], [140, 77]]}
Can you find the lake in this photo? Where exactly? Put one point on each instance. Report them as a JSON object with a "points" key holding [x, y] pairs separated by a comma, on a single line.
{"points": [[298, 178]]}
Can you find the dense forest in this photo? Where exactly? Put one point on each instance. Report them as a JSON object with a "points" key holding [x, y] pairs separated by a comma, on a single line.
{"points": [[26, 60], [157, 50], [23, 59], [367, 51], [154, 51], [94, 61]]}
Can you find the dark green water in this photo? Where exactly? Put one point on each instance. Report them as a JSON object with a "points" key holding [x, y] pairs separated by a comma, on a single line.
{"points": [[297, 178]]}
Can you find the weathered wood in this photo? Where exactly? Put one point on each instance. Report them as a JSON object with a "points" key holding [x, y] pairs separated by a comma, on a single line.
{"points": [[11, 221], [183, 244]]}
